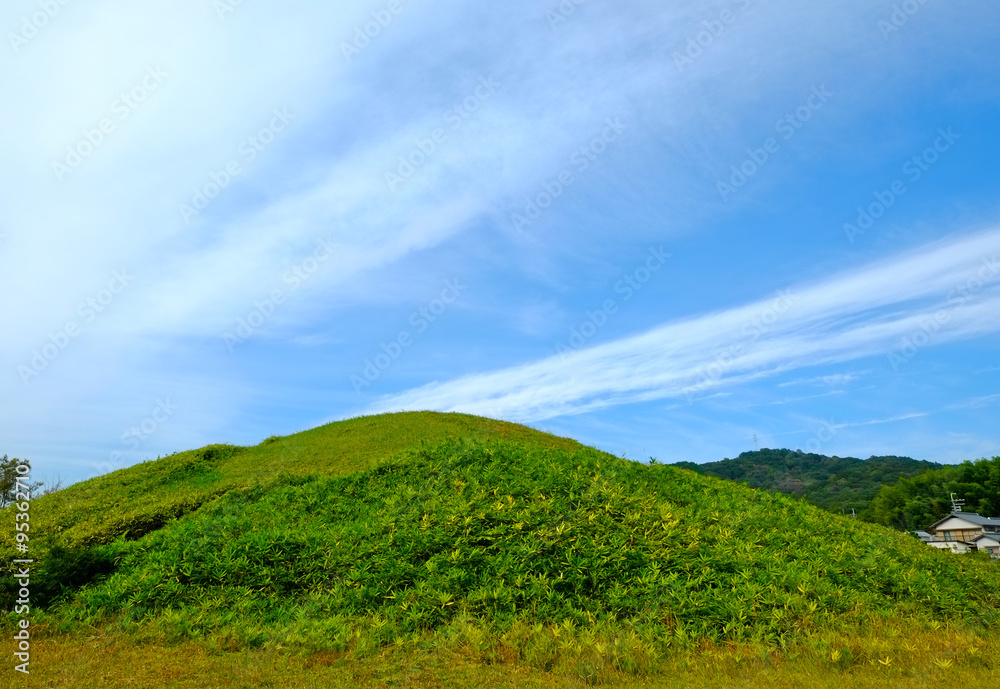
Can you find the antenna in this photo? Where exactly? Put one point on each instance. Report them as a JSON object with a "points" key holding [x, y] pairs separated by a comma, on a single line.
{"points": [[956, 505], [755, 446]]}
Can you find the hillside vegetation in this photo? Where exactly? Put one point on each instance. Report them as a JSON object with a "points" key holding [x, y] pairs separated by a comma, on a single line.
{"points": [[915, 503], [837, 484], [420, 533], [140, 499]]}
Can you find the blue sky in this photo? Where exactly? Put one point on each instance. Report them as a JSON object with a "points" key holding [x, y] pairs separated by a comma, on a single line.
{"points": [[664, 229]]}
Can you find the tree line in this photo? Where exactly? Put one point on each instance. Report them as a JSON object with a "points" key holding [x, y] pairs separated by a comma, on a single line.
{"points": [[919, 501]]}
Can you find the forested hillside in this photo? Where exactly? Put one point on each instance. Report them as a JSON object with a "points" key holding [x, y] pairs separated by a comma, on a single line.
{"points": [[837, 484], [915, 503]]}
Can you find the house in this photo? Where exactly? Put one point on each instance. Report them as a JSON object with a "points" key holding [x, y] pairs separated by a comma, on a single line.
{"points": [[988, 543], [953, 546], [961, 532]]}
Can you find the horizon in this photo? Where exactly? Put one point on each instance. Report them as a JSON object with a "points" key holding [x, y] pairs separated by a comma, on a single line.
{"points": [[665, 232]]}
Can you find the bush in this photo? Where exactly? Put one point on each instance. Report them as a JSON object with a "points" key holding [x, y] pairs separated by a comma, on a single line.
{"points": [[66, 570]]}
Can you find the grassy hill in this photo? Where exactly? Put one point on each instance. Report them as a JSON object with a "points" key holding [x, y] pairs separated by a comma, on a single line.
{"points": [[487, 550], [837, 484], [142, 498]]}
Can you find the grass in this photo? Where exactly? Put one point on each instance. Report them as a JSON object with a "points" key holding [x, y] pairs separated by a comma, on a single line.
{"points": [[940, 658], [448, 550], [139, 499]]}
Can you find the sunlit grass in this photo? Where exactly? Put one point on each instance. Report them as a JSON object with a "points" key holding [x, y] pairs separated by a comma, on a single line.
{"points": [[924, 659]]}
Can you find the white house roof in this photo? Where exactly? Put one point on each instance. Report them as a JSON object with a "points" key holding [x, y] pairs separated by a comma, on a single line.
{"points": [[987, 537]]}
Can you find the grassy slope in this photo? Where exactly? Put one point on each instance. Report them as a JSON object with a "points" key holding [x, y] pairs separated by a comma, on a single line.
{"points": [[502, 534], [518, 547], [143, 497]]}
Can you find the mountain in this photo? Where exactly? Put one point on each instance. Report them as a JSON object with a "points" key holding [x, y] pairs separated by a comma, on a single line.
{"points": [[463, 536], [837, 484]]}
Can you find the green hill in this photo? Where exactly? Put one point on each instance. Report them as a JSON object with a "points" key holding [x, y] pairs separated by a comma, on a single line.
{"points": [[837, 484], [422, 531], [142, 498]]}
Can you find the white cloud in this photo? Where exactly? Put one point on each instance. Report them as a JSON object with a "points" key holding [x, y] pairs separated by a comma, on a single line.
{"points": [[863, 313], [834, 380], [790, 400], [120, 208], [876, 422], [976, 403], [323, 177]]}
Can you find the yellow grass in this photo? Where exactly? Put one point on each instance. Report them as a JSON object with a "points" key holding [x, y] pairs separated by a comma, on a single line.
{"points": [[925, 659]]}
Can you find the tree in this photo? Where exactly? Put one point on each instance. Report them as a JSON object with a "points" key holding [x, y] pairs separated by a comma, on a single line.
{"points": [[53, 486], [917, 502], [8, 479]]}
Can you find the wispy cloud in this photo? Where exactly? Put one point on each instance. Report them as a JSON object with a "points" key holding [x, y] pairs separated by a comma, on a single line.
{"points": [[976, 403], [790, 400], [860, 314], [853, 424], [876, 422], [219, 81], [316, 340], [834, 380]]}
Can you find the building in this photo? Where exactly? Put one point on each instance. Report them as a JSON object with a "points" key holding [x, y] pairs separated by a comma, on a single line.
{"points": [[988, 543], [961, 532]]}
